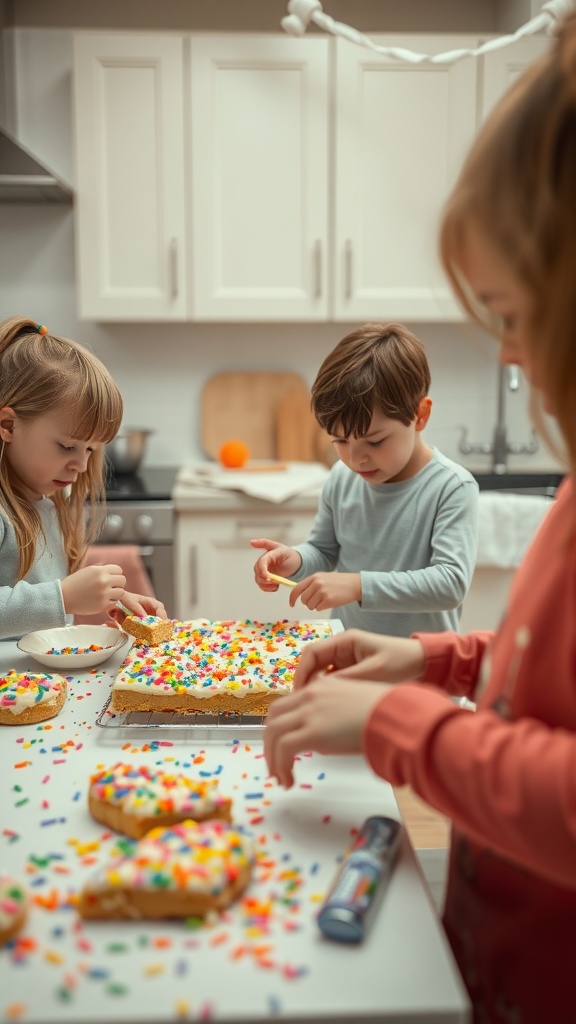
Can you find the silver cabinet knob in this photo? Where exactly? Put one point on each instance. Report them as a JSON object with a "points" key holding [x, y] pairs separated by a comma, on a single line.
{"points": [[143, 526], [112, 527]]}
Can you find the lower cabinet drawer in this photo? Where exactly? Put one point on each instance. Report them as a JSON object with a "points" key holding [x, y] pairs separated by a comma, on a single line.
{"points": [[215, 565]]}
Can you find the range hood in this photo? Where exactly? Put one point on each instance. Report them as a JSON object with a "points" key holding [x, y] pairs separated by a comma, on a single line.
{"points": [[24, 180]]}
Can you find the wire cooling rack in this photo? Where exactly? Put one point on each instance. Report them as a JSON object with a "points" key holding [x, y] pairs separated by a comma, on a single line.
{"points": [[212, 725], [227, 723]]}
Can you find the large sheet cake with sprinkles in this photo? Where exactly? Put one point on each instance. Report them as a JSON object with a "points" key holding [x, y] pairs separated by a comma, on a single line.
{"points": [[236, 667]]}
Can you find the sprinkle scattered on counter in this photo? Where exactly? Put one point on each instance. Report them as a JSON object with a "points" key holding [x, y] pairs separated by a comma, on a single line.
{"points": [[15, 1011], [11, 835], [116, 988], [182, 1009], [275, 906], [274, 1006]]}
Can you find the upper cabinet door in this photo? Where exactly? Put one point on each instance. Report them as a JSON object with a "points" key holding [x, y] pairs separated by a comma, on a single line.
{"points": [[259, 158], [402, 131], [502, 67], [130, 176]]}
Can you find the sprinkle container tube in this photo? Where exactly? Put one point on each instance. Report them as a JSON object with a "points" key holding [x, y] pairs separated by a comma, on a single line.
{"points": [[361, 881]]}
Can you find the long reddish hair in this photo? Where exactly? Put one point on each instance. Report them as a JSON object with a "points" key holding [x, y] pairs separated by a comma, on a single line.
{"points": [[518, 187]]}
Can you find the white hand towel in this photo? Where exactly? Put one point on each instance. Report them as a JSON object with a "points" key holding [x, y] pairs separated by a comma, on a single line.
{"points": [[506, 525], [270, 485]]}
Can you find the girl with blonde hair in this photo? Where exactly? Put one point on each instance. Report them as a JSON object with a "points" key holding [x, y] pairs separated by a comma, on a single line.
{"points": [[58, 407], [506, 773]]}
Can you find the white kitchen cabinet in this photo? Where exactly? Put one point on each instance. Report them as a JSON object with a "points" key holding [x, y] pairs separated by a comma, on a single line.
{"points": [[215, 564], [131, 208], [265, 177], [502, 67], [402, 131], [259, 165]]}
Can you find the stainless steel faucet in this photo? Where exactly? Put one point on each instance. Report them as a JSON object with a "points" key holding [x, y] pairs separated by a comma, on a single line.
{"points": [[500, 447]]}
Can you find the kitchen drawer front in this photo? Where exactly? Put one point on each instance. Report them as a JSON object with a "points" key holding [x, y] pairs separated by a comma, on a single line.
{"points": [[215, 565]]}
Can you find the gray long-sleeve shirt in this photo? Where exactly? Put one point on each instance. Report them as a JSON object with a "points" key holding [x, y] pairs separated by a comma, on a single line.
{"points": [[36, 601], [414, 544]]}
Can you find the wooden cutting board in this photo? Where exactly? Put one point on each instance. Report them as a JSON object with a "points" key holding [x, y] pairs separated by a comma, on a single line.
{"points": [[243, 405], [298, 435]]}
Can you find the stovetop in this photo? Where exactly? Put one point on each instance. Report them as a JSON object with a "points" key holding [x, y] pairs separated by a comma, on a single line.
{"points": [[150, 483]]}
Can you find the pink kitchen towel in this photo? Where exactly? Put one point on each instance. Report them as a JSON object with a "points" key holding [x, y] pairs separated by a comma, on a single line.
{"points": [[128, 557]]}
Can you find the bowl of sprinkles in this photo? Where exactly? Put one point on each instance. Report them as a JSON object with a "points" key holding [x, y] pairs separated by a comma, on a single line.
{"points": [[71, 647]]}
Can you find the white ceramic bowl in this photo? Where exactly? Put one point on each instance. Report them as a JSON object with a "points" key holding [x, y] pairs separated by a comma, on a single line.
{"points": [[39, 643]]}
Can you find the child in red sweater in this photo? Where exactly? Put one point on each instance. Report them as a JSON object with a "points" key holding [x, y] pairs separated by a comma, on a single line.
{"points": [[505, 774]]}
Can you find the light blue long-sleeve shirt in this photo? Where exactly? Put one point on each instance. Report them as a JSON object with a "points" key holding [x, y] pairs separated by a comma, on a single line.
{"points": [[414, 544], [35, 602]]}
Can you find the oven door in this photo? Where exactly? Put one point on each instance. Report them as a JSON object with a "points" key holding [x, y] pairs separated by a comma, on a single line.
{"points": [[158, 562]]}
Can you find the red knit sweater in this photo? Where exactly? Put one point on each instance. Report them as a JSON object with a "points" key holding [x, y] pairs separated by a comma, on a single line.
{"points": [[506, 776]]}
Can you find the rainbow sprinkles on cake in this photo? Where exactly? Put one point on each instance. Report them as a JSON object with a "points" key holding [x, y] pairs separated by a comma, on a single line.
{"points": [[237, 667]]}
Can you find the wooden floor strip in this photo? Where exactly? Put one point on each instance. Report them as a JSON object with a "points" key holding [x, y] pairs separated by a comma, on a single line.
{"points": [[427, 828]]}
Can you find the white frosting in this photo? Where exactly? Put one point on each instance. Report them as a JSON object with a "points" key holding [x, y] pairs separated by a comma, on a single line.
{"points": [[207, 659], [145, 793], [19, 690], [192, 857]]}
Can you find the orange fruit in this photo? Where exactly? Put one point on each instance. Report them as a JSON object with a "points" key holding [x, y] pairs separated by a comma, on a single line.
{"points": [[234, 454]]}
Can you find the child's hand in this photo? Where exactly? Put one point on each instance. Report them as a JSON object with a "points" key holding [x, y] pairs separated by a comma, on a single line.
{"points": [[328, 716], [138, 605], [356, 654], [93, 589], [279, 558], [326, 590]]}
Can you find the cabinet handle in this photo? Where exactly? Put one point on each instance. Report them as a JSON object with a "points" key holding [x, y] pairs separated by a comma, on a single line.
{"points": [[174, 267], [348, 268], [318, 268], [193, 571], [264, 528], [282, 530]]}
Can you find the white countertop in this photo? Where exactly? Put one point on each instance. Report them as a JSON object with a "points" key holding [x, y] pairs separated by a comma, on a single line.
{"points": [[297, 485], [237, 970], [206, 499]]}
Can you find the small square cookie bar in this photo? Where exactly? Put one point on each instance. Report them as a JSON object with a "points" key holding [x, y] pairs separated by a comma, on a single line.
{"points": [[149, 629]]}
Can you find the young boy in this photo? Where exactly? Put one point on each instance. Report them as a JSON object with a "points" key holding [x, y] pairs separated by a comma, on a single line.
{"points": [[393, 546]]}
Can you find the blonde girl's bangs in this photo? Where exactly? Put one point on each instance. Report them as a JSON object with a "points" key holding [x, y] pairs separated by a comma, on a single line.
{"points": [[95, 406]]}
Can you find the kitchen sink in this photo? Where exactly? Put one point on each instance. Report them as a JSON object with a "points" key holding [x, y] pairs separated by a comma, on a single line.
{"points": [[520, 483]]}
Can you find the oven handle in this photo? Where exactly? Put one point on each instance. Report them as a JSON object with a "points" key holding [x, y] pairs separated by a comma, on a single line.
{"points": [[193, 566], [146, 552]]}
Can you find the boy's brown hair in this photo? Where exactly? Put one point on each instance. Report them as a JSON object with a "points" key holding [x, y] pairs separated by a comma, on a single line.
{"points": [[379, 367]]}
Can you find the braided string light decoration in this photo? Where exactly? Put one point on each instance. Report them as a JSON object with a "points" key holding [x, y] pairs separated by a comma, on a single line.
{"points": [[302, 12]]}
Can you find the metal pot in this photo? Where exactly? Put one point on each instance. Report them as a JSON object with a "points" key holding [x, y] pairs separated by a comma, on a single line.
{"points": [[126, 451]]}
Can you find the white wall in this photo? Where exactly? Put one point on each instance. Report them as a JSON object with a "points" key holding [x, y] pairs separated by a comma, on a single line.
{"points": [[161, 368], [256, 15]]}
